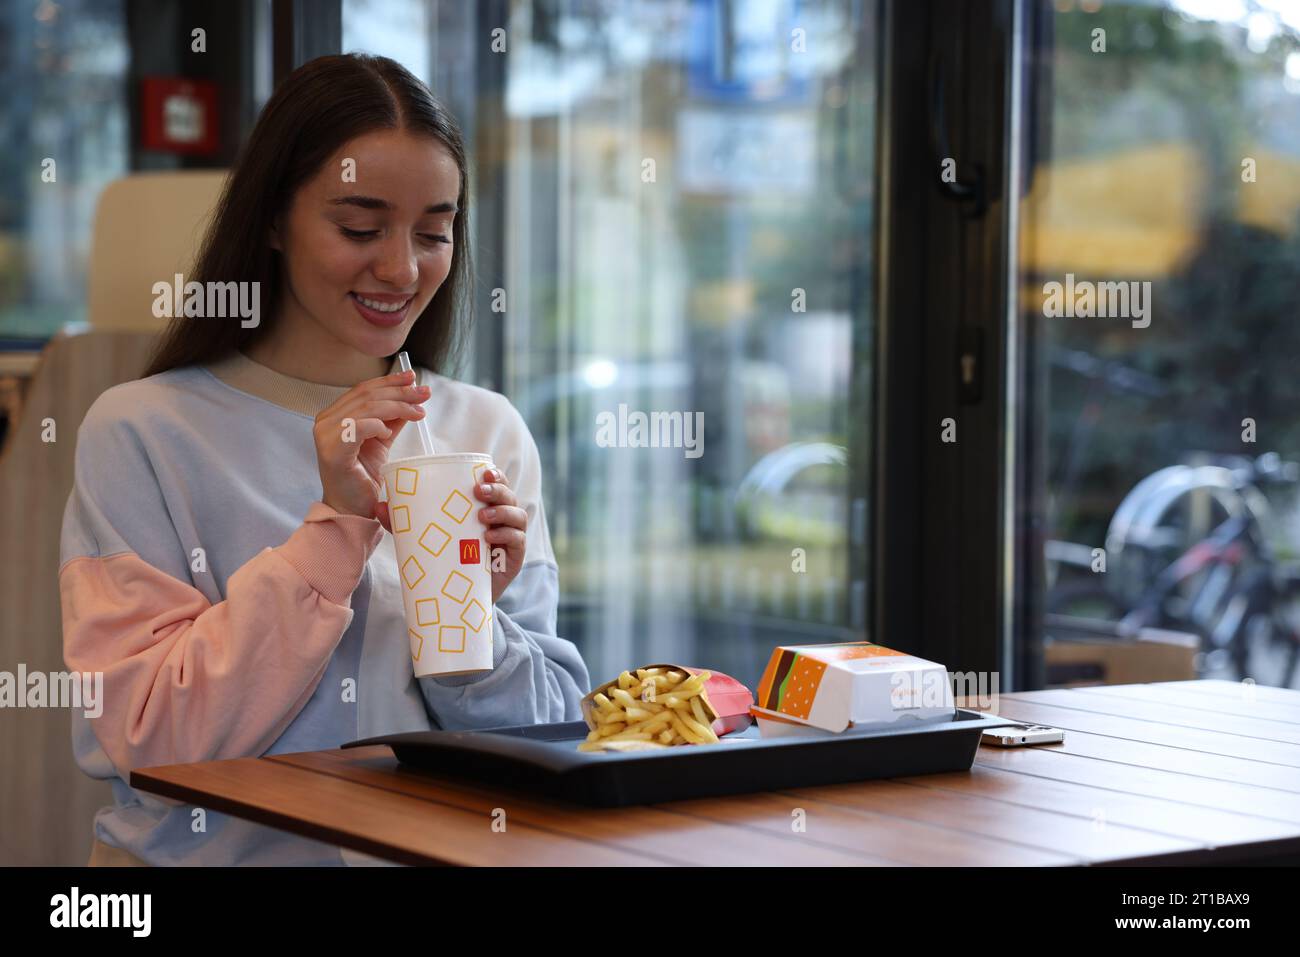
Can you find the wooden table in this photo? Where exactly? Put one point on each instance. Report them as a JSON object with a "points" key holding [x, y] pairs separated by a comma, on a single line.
{"points": [[1187, 772]]}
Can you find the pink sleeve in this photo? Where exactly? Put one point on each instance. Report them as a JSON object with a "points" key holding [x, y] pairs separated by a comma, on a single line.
{"points": [[186, 680]]}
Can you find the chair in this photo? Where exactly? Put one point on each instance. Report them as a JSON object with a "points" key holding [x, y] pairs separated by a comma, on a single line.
{"points": [[147, 228]]}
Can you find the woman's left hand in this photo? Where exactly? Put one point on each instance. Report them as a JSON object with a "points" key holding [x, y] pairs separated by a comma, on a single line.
{"points": [[506, 524]]}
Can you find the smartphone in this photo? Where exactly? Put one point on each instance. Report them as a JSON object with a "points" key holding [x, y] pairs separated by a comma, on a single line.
{"points": [[1019, 735]]}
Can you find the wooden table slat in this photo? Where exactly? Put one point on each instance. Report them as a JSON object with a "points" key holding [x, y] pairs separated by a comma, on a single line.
{"points": [[1046, 829], [1231, 727], [1151, 782], [1288, 697], [898, 839], [1190, 751], [635, 829], [1281, 715], [387, 825], [1204, 826]]}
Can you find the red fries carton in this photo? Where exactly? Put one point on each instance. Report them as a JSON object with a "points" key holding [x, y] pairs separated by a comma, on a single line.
{"points": [[726, 701]]}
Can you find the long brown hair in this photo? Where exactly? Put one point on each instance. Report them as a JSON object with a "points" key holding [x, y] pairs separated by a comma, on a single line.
{"points": [[316, 109]]}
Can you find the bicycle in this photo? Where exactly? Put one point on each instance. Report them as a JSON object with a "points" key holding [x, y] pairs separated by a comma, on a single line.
{"points": [[1227, 587]]}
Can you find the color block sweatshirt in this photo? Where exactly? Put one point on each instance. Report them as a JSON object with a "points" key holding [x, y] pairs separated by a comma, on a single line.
{"points": [[234, 614]]}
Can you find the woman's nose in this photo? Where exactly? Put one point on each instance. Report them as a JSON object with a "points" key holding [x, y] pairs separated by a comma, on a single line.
{"points": [[396, 264]]}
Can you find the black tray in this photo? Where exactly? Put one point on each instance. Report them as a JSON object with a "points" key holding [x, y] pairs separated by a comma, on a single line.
{"points": [[544, 759]]}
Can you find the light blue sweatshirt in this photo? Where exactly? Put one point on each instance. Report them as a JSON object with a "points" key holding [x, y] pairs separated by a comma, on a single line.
{"points": [[260, 642]]}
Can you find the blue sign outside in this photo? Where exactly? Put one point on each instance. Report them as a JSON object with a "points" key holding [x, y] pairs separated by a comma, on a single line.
{"points": [[745, 51]]}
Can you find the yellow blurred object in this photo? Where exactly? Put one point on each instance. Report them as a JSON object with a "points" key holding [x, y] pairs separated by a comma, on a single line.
{"points": [[1134, 214], [1138, 214], [1272, 201]]}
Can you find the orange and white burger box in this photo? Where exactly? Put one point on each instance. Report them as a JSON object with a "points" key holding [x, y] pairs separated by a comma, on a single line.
{"points": [[813, 690]]}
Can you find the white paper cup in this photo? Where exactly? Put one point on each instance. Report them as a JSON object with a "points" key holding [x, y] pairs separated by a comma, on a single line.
{"points": [[443, 560]]}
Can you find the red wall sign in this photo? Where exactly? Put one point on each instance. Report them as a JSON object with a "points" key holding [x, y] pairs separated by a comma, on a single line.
{"points": [[178, 115]]}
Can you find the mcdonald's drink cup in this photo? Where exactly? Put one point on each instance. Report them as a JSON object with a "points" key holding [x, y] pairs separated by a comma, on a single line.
{"points": [[442, 560]]}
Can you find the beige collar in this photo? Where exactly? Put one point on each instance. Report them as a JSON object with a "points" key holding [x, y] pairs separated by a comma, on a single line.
{"points": [[298, 395]]}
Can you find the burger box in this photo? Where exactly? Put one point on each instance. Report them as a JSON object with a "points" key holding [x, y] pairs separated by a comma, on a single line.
{"points": [[726, 700], [813, 690]]}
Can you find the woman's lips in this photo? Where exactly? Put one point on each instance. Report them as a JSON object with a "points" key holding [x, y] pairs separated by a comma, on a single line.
{"points": [[385, 320]]}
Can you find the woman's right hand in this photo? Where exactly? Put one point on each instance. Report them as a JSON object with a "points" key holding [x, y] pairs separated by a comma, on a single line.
{"points": [[349, 470]]}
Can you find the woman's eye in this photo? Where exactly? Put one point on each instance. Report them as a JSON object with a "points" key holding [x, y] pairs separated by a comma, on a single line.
{"points": [[363, 235]]}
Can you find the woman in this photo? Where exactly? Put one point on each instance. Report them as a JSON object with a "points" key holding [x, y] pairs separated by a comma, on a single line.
{"points": [[223, 560]]}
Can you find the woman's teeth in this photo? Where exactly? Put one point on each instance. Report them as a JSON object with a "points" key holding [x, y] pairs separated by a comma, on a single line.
{"points": [[382, 306]]}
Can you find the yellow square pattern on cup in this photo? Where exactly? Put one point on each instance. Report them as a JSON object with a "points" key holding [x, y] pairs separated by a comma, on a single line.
{"points": [[466, 615], [426, 611], [407, 479], [457, 586], [457, 506], [412, 572], [473, 615], [401, 519], [432, 533], [451, 638]]}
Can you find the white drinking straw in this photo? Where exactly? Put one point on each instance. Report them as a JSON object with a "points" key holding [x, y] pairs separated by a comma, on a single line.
{"points": [[404, 361]]}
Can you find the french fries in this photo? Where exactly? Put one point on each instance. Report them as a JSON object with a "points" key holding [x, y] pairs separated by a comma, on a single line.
{"points": [[650, 708]]}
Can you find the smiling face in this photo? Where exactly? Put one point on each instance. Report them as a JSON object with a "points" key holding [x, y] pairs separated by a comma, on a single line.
{"points": [[363, 259]]}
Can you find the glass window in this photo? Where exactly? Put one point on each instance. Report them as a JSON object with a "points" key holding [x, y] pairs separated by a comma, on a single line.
{"points": [[1161, 265], [398, 29], [64, 124], [684, 202], [687, 265]]}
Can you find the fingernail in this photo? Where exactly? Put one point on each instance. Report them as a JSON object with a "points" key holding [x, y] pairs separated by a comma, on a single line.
{"points": [[487, 489], [489, 514]]}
